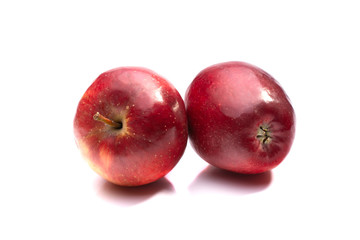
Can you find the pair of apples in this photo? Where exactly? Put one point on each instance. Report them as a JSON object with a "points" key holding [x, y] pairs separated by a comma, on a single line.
{"points": [[132, 125]]}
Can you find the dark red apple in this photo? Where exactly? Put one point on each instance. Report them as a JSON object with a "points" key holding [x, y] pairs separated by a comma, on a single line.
{"points": [[240, 119], [131, 126]]}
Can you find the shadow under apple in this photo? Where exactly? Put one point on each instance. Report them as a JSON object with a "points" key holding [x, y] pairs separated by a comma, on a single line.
{"points": [[129, 196], [215, 180]]}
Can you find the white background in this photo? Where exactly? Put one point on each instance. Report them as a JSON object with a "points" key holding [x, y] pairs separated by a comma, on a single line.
{"points": [[51, 51]]}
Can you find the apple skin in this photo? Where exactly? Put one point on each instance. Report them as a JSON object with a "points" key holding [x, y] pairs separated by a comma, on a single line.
{"points": [[153, 133], [239, 117]]}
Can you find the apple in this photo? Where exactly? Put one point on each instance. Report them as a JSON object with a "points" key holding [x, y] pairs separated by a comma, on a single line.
{"points": [[131, 126], [239, 117]]}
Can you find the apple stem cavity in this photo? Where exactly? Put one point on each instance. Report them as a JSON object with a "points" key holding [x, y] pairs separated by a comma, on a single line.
{"points": [[98, 117]]}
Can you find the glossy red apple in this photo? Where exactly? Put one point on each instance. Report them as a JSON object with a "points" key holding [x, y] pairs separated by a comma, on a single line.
{"points": [[131, 126], [239, 118]]}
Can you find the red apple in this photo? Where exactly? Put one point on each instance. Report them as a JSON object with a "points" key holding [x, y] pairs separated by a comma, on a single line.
{"points": [[131, 126], [240, 119]]}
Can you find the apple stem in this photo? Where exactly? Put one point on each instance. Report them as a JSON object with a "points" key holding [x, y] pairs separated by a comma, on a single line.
{"points": [[98, 117]]}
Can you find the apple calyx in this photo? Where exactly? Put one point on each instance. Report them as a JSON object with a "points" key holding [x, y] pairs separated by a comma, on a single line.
{"points": [[264, 134], [98, 117]]}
